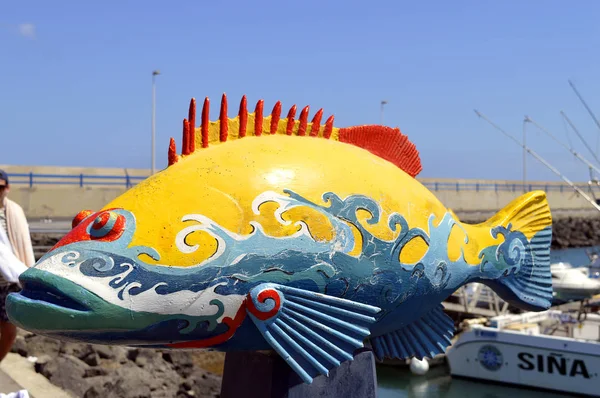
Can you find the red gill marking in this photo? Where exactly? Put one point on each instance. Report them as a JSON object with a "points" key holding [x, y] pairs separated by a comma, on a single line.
{"points": [[233, 325]]}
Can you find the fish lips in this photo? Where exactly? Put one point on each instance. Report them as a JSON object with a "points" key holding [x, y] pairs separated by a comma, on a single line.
{"points": [[50, 303]]}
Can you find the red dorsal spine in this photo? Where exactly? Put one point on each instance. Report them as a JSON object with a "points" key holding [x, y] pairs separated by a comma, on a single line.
{"points": [[303, 121], [192, 126], [275, 115], [290, 120], [185, 140], [328, 127], [173, 158], [316, 123], [205, 121], [224, 127], [385, 142], [243, 116], [258, 118]]}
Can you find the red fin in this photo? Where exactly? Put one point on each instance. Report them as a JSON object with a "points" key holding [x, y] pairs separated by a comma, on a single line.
{"points": [[275, 115], [243, 116], [205, 121], [328, 127], [290, 117], [192, 126], [173, 158], [185, 144], [316, 123], [387, 143], [303, 121], [224, 127], [258, 118]]}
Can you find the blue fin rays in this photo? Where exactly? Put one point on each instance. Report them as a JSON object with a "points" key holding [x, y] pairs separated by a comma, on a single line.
{"points": [[312, 332], [426, 337]]}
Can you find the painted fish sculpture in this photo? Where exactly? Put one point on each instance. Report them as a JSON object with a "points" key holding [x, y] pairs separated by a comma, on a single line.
{"points": [[283, 234]]}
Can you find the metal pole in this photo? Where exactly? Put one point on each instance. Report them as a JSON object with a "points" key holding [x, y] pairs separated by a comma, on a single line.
{"points": [[541, 160], [154, 74], [575, 153], [382, 104], [589, 111], [564, 115]]}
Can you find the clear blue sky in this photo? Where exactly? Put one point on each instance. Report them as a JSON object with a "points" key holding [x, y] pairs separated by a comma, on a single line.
{"points": [[76, 76]]}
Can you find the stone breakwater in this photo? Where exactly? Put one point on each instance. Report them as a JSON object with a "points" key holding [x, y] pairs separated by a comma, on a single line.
{"points": [[94, 371], [575, 232]]}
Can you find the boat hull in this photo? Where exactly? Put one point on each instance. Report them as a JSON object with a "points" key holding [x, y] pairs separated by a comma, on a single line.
{"points": [[538, 361]]}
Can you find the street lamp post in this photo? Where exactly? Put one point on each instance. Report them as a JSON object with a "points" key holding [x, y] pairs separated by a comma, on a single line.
{"points": [[154, 74], [383, 102]]}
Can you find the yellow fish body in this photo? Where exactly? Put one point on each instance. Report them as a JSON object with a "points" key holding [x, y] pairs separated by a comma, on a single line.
{"points": [[288, 234]]}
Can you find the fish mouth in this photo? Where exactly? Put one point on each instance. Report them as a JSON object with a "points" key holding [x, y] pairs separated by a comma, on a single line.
{"points": [[39, 291], [48, 302]]}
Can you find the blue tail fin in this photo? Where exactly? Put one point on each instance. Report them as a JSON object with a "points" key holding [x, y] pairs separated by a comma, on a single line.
{"points": [[518, 269]]}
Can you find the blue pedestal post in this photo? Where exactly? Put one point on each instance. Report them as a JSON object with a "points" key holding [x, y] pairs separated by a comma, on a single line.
{"points": [[266, 375]]}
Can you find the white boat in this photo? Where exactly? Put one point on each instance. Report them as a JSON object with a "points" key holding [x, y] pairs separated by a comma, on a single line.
{"points": [[573, 283], [520, 350]]}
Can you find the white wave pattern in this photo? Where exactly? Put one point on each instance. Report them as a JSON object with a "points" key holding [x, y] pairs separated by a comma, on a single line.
{"points": [[285, 203], [225, 237], [182, 302]]}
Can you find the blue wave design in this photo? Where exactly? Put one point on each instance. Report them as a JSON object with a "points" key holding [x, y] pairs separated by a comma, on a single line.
{"points": [[375, 276]]}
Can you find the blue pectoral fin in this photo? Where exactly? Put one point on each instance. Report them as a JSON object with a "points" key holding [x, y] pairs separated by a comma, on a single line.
{"points": [[426, 337], [312, 332]]}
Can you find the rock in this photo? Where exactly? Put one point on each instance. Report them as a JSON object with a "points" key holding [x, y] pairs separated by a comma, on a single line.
{"points": [[35, 345], [204, 384], [181, 360], [92, 359], [67, 372], [132, 354], [20, 347], [93, 372], [76, 349], [110, 352], [41, 362]]}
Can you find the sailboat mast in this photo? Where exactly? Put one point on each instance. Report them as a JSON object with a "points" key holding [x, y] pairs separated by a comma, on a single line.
{"points": [[564, 115], [541, 160], [577, 155], [588, 109]]}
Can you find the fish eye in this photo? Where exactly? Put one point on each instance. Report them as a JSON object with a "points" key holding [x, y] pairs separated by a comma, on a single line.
{"points": [[82, 215], [107, 224]]}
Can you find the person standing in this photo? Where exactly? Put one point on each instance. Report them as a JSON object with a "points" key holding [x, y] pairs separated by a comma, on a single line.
{"points": [[14, 232]]}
